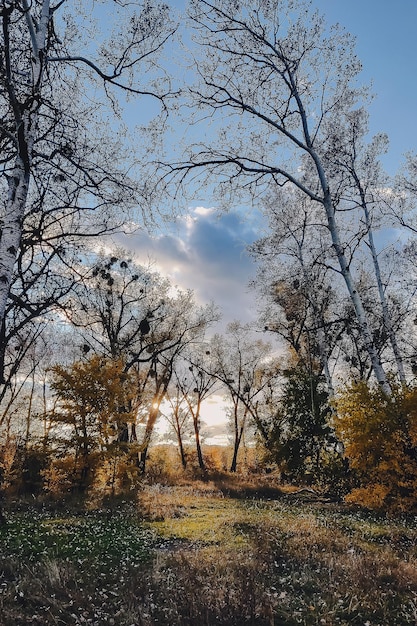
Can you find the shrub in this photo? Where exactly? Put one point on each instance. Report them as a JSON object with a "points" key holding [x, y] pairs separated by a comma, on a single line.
{"points": [[380, 438]]}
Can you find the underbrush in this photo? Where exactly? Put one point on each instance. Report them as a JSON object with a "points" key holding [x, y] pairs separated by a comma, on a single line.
{"points": [[191, 555]]}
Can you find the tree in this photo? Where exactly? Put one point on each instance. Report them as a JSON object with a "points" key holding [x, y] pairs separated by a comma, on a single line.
{"points": [[60, 175], [183, 328], [178, 417], [400, 200], [279, 90], [96, 399], [298, 294], [301, 437], [302, 298], [23, 400], [128, 311], [363, 192], [194, 378], [118, 306], [245, 368]]}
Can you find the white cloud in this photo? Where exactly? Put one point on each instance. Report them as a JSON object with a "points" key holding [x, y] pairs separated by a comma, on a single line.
{"points": [[201, 210], [207, 253]]}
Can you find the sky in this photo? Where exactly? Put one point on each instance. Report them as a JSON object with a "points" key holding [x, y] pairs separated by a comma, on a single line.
{"points": [[207, 252], [386, 43]]}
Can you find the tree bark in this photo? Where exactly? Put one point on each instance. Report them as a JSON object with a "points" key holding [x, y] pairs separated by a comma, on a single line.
{"points": [[26, 116], [239, 429]]}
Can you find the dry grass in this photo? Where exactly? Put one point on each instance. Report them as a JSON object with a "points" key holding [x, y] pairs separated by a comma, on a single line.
{"points": [[194, 556]]}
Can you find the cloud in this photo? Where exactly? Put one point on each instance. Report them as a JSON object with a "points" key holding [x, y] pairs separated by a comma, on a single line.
{"points": [[207, 253]]}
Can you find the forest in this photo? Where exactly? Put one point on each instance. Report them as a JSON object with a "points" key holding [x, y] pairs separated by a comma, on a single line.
{"points": [[114, 119]]}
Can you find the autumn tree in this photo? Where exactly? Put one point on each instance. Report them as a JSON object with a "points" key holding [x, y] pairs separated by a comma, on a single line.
{"points": [[302, 299], [58, 94], [279, 88], [25, 414], [364, 196], [299, 298], [183, 327], [194, 379], [177, 415], [129, 311], [95, 400]]}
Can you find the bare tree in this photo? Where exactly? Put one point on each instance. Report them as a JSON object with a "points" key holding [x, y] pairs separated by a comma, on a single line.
{"points": [[400, 200], [178, 416], [184, 325], [245, 367], [126, 310], [63, 165], [295, 282], [365, 189], [195, 379], [278, 88]]}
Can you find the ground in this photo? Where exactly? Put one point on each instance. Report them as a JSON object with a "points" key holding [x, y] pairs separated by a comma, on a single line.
{"points": [[208, 552]]}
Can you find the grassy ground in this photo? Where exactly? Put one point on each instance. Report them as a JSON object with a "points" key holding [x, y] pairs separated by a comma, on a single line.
{"points": [[206, 553]]}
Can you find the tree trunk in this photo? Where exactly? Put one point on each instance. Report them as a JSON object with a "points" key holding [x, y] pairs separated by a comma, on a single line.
{"points": [[200, 457], [363, 322], [233, 466], [11, 233], [238, 437], [181, 449], [361, 316], [150, 424], [26, 116]]}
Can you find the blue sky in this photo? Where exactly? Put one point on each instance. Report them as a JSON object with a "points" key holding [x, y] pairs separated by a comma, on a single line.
{"points": [[206, 252], [386, 43]]}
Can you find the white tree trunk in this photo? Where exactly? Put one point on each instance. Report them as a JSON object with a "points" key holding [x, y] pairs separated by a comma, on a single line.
{"points": [[11, 229], [384, 305], [361, 316], [26, 114]]}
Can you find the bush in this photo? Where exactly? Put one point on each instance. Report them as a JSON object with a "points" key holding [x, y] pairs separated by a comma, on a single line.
{"points": [[380, 438], [21, 467]]}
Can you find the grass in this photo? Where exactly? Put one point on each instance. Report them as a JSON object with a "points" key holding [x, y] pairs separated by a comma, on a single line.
{"points": [[192, 555]]}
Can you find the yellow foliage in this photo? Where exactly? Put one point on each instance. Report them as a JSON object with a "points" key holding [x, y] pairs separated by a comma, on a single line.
{"points": [[97, 401], [8, 455], [379, 434], [59, 476], [374, 496], [95, 395], [116, 474]]}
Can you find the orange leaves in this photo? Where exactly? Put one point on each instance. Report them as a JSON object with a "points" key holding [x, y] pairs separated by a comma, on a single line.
{"points": [[96, 405], [99, 391], [379, 434]]}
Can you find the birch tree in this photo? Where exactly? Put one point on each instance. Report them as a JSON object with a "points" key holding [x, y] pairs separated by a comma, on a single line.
{"points": [[365, 187], [60, 135], [278, 88], [294, 281]]}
